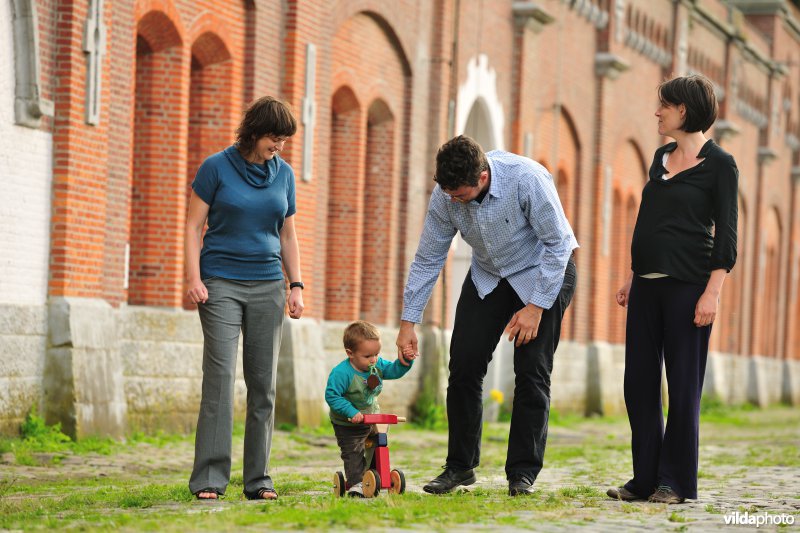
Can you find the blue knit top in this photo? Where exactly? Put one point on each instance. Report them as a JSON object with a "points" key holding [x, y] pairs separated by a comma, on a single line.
{"points": [[248, 204]]}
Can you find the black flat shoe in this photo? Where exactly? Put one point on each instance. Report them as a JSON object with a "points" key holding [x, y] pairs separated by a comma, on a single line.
{"points": [[520, 487], [448, 480]]}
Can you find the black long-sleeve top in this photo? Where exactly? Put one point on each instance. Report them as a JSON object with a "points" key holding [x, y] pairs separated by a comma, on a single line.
{"points": [[673, 233]]}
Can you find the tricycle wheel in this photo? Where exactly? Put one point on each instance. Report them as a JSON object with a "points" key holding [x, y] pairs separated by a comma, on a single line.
{"points": [[398, 480], [371, 483], [338, 484]]}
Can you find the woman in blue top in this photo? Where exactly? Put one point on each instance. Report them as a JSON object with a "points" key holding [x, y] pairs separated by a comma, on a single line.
{"points": [[246, 194]]}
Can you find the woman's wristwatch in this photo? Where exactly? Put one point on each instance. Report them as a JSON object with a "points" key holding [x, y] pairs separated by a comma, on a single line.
{"points": [[294, 284]]}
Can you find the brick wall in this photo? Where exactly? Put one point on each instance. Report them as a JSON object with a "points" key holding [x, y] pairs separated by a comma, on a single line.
{"points": [[168, 62], [177, 74]]}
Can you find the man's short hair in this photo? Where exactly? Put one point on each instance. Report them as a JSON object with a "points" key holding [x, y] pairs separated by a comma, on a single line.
{"points": [[459, 162], [358, 331], [697, 94]]}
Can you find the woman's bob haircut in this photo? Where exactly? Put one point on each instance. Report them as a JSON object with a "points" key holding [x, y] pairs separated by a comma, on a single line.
{"points": [[697, 94]]}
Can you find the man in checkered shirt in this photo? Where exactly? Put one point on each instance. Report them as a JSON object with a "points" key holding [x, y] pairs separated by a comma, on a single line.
{"points": [[521, 280]]}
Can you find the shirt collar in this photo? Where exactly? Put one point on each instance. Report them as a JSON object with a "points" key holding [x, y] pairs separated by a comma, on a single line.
{"points": [[709, 144], [495, 188]]}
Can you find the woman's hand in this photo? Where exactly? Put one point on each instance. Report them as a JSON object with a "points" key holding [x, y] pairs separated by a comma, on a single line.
{"points": [[706, 309], [295, 302], [197, 293], [624, 292]]}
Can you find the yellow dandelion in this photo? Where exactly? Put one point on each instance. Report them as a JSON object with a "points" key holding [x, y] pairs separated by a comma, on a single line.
{"points": [[496, 396]]}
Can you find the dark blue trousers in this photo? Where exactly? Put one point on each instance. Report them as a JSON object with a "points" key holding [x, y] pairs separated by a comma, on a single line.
{"points": [[660, 330], [479, 323]]}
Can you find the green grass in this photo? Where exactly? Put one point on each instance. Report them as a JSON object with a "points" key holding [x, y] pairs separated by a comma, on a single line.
{"points": [[675, 516], [40, 443], [292, 510], [583, 458]]}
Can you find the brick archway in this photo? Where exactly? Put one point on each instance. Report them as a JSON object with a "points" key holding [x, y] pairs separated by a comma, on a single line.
{"points": [[210, 105], [345, 208], [629, 176], [159, 163], [381, 198]]}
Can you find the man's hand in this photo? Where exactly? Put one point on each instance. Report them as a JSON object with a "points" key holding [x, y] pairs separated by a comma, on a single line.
{"points": [[406, 343], [524, 325], [358, 418]]}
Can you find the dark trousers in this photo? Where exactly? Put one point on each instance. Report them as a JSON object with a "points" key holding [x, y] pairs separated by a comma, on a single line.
{"points": [[351, 441], [660, 329], [476, 332]]}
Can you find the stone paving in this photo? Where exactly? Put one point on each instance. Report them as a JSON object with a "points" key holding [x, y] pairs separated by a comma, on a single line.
{"points": [[726, 486]]}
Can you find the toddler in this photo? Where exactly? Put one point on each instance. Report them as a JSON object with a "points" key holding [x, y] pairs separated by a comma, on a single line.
{"points": [[352, 391]]}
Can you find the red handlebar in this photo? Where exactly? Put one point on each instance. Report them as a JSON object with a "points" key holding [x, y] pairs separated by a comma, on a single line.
{"points": [[383, 419]]}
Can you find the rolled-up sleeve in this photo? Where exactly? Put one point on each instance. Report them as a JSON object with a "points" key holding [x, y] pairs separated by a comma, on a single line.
{"points": [[542, 207], [437, 234]]}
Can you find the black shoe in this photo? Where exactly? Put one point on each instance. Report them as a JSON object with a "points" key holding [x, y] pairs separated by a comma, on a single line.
{"points": [[448, 480], [520, 486]]}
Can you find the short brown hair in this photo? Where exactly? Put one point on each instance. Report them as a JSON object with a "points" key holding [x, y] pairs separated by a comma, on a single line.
{"points": [[697, 94], [459, 162], [265, 116], [358, 331]]}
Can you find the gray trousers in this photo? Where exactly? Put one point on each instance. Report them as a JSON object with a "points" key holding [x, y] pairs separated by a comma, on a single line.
{"points": [[256, 308]]}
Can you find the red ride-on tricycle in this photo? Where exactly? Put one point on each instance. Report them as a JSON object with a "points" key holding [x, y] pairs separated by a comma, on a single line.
{"points": [[376, 452]]}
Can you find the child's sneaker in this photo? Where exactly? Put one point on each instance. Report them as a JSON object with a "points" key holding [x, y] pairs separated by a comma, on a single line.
{"points": [[356, 491]]}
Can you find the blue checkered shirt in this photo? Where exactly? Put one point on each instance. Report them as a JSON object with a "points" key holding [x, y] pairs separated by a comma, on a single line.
{"points": [[518, 232]]}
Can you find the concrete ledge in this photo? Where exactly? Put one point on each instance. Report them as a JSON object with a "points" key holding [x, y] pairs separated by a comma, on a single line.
{"points": [[715, 382], [765, 384], [22, 356], [17, 396], [727, 378], [762, 381], [160, 325], [23, 343], [81, 323], [82, 381], [790, 393], [26, 320], [302, 374], [163, 359], [569, 388]]}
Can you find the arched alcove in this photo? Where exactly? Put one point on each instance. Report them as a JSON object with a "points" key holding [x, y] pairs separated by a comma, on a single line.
{"points": [[158, 186]]}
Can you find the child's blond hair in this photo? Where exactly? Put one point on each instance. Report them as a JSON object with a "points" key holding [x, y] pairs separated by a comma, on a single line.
{"points": [[358, 331]]}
